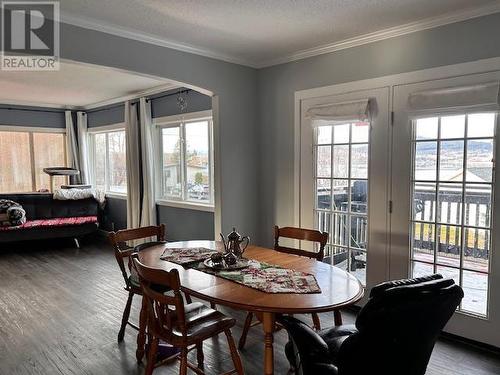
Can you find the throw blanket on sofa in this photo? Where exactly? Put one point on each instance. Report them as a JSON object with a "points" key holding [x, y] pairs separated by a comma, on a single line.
{"points": [[76, 194], [11, 213]]}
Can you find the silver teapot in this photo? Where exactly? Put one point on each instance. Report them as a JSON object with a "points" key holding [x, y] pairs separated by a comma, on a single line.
{"points": [[233, 243]]}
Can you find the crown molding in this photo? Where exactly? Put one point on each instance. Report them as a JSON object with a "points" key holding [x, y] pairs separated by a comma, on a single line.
{"points": [[412, 27], [140, 36], [380, 35]]}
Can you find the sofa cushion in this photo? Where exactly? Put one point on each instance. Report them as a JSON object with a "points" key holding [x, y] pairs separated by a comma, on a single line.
{"points": [[55, 222]]}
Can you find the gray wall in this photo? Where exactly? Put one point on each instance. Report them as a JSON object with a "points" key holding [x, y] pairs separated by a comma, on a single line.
{"points": [[115, 214], [235, 85], [107, 115], [31, 116], [167, 105], [185, 224], [161, 105], [451, 44]]}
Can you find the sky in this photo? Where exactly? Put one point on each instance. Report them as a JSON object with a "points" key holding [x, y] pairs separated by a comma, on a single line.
{"points": [[196, 136], [479, 125]]}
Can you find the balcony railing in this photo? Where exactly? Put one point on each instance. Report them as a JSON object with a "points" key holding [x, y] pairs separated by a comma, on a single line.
{"points": [[477, 208]]}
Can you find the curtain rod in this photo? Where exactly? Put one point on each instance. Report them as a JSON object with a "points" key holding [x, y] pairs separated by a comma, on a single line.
{"points": [[33, 110], [55, 110], [171, 94], [113, 106], [135, 101]]}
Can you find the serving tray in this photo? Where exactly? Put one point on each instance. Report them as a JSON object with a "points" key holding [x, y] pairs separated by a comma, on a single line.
{"points": [[240, 264]]}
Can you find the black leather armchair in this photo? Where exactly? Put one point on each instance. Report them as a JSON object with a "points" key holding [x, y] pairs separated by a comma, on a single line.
{"points": [[394, 334]]}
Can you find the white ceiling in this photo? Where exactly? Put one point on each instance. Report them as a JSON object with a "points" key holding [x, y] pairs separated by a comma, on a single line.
{"points": [[260, 32], [74, 85]]}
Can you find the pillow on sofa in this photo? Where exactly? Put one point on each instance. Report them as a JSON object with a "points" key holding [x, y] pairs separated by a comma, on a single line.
{"points": [[16, 215], [11, 213]]}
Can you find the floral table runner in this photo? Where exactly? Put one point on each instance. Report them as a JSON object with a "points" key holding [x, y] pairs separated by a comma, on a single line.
{"points": [[268, 278], [184, 256]]}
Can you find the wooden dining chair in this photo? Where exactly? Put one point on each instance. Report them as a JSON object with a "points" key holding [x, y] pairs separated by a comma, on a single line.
{"points": [[321, 239], [122, 252], [184, 326]]}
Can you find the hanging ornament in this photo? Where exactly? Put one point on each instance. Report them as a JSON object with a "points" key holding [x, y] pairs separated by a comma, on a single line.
{"points": [[182, 101]]}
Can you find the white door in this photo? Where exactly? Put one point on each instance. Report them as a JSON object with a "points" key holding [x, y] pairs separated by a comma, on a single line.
{"points": [[344, 181], [446, 193]]}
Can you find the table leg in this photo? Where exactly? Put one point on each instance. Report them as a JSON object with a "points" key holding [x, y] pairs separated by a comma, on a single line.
{"points": [[141, 336], [268, 320]]}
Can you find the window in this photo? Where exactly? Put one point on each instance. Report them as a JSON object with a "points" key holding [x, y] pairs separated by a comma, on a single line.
{"points": [[109, 161], [24, 154], [186, 160], [341, 193], [452, 193]]}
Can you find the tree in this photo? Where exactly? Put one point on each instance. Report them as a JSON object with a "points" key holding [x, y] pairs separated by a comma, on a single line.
{"points": [[198, 178]]}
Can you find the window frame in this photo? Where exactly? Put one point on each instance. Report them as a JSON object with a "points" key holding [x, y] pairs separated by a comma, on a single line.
{"points": [[106, 129], [31, 130], [180, 121]]}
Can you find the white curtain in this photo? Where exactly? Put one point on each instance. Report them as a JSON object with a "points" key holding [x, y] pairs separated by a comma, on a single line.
{"points": [[133, 173], [480, 96], [148, 204], [83, 150], [357, 110], [71, 142]]}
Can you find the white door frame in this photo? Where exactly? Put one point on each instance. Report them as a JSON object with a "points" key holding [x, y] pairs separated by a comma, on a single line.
{"points": [[488, 333], [378, 178], [462, 323]]}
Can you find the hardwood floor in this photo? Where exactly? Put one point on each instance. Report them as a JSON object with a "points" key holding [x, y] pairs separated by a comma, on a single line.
{"points": [[60, 311]]}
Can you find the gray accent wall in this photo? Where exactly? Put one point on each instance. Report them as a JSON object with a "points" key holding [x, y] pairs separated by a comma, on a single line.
{"points": [[113, 114], [162, 105], [235, 86], [31, 116], [186, 224], [115, 214], [466, 41]]}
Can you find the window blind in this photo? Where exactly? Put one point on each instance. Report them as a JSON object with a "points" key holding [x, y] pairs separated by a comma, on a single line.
{"points": [[484, 96], [358, 110]]}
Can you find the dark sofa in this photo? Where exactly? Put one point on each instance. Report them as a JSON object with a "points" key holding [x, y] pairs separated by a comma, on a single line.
{"points": [[50, 218]]}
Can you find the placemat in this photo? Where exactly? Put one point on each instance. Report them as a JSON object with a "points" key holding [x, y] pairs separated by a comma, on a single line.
{"points": [[268, 278], [184, 256]]}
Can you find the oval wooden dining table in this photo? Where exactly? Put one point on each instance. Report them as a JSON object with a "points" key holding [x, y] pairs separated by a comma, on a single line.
{"points": [[338, 289]]}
